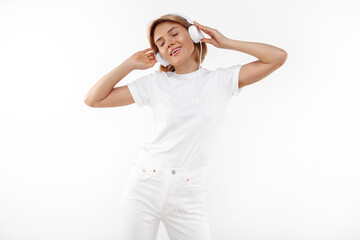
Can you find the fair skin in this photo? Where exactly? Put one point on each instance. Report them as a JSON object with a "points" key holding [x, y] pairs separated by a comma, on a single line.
{"points": [[270, 57], [184, 61], [103, 93]]}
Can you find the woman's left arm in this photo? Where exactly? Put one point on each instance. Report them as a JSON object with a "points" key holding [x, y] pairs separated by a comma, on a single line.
{"points": [[264, 52], [270, 57]]}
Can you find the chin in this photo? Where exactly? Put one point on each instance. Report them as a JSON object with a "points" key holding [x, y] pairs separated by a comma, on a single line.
{"points": [[182, 59]]}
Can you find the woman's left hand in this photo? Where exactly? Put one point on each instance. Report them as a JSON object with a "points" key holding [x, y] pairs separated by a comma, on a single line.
{"points": [[217, 39]]}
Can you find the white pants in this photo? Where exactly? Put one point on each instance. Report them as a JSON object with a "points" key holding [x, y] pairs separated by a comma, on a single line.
{"points": [[154, 192]]}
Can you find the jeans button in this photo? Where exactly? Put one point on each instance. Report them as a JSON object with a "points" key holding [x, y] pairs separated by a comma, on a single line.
{"points": [[173, 172]]}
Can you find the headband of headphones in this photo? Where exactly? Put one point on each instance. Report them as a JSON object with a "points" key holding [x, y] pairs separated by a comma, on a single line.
{"points": [[189, 20]]}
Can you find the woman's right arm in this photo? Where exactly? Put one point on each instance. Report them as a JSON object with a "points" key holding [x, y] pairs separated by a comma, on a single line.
{"points": [[103, 93]]}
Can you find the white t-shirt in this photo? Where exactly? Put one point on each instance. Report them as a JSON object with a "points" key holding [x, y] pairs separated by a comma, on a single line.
{"points": [[188, 111]]}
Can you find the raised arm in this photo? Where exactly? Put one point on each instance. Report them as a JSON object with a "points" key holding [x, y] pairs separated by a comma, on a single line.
{"points": [[270, 57], [103, 94]]}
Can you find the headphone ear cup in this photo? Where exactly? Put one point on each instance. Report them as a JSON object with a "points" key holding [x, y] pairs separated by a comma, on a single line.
{"points": [[161, 60], [195, 33]]}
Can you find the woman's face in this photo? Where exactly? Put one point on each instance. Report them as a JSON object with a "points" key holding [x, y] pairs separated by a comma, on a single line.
{"points": [[167, 40]]}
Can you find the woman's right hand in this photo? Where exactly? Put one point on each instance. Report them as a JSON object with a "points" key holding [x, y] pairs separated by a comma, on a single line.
{"points": [[142, 59]]}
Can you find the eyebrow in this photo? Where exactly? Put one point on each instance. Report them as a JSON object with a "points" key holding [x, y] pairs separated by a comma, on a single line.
{"points": [[167, 32]]}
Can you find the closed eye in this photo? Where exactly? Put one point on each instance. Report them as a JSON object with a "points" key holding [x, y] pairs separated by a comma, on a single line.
{"points": [[173, 36]]}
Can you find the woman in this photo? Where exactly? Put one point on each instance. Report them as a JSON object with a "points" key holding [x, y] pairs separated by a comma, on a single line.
{"points": [[168, 179]]}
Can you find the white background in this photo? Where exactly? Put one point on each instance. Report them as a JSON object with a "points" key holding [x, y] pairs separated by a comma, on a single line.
{"points": [[287, 164]]}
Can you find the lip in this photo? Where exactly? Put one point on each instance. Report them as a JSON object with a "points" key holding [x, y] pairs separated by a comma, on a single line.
{"points": [[174, 49]]}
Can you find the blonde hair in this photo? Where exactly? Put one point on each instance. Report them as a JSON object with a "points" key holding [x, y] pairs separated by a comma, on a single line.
{"points": [[183, 22]]}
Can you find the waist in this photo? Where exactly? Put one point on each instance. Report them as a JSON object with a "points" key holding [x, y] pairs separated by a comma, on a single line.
{"points": [[147, 161]]}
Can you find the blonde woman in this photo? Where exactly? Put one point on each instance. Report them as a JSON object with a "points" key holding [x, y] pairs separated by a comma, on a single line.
{"points": [[168, 180]]}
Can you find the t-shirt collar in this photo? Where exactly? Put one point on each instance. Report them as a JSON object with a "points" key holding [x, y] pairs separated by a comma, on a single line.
{"points": [[186, 75]]}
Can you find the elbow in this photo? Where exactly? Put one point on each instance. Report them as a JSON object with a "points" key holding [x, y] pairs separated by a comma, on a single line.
{"points": [[282, 57], [87, 100], [88, 103]]}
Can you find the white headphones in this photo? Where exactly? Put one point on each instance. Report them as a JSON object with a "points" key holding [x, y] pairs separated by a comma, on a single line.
{"points": [[195, 34]]}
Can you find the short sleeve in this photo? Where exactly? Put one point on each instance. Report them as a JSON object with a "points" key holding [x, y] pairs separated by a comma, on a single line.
{"points": [[141, 89], [228, 80]]}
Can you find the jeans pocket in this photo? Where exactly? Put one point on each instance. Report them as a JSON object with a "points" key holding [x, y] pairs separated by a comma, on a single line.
{"points": [[196, 184]]}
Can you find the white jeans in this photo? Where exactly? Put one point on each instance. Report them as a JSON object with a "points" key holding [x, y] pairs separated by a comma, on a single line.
{"points": [[154, 192]]}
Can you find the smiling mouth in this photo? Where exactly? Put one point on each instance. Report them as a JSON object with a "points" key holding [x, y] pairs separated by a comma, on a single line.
{"points": [[176, 52]]}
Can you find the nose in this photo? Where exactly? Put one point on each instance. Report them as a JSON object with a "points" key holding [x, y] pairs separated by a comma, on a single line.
{"points": [[168, 51], [171, 44]]}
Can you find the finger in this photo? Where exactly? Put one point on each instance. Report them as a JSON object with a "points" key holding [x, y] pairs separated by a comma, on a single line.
{"points": [[206, 30], [206, 40], [202, 26], [146, 50]]}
